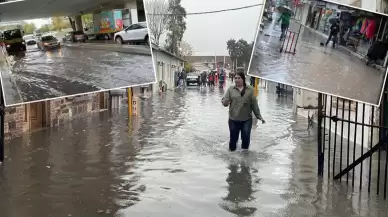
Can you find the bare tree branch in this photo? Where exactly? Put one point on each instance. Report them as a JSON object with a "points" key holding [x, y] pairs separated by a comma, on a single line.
{"points": [[157, 18], [186, 49]]}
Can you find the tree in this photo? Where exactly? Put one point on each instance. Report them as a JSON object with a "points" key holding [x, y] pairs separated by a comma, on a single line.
{"points": [[59, 23], [157, 18], [231, 45], [185, 49], [29, 28], [240, 50], [176, 26], [87, 20], [188, 67], [44, 28]]}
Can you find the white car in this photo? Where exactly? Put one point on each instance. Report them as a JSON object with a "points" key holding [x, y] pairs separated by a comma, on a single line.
{"points": [[137, 32]]}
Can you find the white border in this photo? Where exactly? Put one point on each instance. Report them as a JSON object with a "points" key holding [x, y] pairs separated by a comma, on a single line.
{"points": [[86, 93], [309, 89]]}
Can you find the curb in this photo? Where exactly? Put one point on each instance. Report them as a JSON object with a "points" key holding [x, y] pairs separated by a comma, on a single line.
{"points": [[10, 65], [113, 48]]}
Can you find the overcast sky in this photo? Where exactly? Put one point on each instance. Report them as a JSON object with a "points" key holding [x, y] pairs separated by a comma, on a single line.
{"points": [[208, 33]]}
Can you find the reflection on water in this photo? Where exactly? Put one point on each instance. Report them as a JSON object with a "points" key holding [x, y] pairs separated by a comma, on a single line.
{"points": [[239, 191], [174, 162]]}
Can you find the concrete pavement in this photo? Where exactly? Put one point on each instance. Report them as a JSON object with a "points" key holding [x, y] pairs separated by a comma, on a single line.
{"points": [[322, 69], [174, 159]]}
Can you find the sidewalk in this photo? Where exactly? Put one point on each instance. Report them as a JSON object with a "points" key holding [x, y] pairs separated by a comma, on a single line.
{"points": [[315, 67], [361, 57], [10, 90]]}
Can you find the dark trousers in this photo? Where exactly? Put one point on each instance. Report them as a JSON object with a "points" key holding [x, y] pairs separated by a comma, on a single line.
{"points": [[332, 36], [283, 28], [235, 127]]}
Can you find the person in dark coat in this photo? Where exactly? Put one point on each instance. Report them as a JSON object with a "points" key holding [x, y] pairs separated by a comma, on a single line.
{"points": [[334, 30]]}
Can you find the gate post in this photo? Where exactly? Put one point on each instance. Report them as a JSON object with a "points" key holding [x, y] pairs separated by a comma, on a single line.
{"points": [[2, 112], [320, 137]]}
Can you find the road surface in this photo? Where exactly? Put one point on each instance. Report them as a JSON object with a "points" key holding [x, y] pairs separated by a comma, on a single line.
{"points": [[321, 69], [43, 75], [174, 162]]}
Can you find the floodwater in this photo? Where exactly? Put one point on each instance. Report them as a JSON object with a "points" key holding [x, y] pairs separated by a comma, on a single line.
{"points": [[316, 67], [39, 75], [173, 161]]}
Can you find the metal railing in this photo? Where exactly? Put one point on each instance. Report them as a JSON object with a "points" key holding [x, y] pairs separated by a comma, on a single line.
{"points": [[349, 140]]}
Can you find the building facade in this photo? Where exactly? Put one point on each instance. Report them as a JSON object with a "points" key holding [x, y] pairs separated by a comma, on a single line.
{"points": [[166, 65], [34, 116]]}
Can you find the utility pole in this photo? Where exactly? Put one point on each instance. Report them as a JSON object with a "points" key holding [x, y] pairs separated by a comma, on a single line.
{"points": [[129, 92]]}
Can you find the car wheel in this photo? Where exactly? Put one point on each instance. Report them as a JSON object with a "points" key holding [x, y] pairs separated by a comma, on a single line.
{"points": [[147, 40], [119, 40]]}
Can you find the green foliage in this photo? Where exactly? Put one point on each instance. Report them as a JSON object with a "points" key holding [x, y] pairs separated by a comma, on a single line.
{"points": [[29, 28], [59, 23], [176, 26], [239, 50], [188, 67], [44, 28], [87, 20]]}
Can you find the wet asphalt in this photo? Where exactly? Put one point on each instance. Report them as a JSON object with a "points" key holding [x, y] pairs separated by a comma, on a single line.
{"points": [[173, 161], [40, 75], [315, 67]]}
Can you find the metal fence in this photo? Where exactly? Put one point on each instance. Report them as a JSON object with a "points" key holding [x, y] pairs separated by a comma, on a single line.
{"points": [[352, 141]]}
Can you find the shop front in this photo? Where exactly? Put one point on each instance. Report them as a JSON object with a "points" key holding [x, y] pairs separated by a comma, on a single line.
{"points": [[358, 29]]}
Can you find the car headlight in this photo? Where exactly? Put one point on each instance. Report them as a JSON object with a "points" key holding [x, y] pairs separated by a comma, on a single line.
{"points": [[8, 45]]}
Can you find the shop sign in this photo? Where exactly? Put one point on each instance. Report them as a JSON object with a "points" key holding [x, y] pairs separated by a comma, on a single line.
{"points": [[320, 4]]}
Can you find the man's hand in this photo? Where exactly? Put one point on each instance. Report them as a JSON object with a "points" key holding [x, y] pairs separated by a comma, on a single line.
{"points": [[263, 121]]}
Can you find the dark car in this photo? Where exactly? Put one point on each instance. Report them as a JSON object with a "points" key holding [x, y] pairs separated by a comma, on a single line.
{"points": [[75, 36], [48, 42], [192, 78]]}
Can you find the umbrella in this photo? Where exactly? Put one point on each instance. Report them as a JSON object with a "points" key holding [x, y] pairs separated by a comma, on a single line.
{"points": [[334, 20], [285, 9]]}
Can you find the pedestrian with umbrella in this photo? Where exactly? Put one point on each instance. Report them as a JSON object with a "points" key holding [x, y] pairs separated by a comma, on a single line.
{"points": [[284, 19]]}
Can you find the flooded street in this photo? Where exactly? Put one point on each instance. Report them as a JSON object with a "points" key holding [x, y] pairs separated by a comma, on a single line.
{"points": [[39, 75], [173, 162], [319, 68]]}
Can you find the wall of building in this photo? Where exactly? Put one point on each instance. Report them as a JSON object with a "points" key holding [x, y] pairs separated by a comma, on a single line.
{"points": [[165, 66], [54, 112], [304, 98]]}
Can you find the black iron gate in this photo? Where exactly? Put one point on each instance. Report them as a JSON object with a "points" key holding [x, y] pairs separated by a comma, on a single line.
{"points": [[351, 145]]}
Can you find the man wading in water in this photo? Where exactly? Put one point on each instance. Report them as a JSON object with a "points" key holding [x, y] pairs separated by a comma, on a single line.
{"points": [[242, 102]]}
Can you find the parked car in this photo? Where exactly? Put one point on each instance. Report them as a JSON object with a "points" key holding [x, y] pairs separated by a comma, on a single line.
{"points": [[48, 42], [192, 78], [137, 32], [75, 36], [29, 39]]}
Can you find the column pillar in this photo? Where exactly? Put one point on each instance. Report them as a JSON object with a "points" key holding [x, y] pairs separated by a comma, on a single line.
{"points": [[78, 23], [131, 5]]}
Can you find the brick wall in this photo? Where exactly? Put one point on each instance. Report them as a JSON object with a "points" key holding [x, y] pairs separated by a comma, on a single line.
{"points": [[14, 120], [67, 108], [56, 112]]}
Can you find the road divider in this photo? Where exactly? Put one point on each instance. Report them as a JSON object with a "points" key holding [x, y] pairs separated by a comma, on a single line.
{"points": [[129, 49]]}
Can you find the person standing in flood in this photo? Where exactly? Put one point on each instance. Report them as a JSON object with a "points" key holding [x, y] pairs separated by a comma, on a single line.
{"points": [[242, 102]]}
